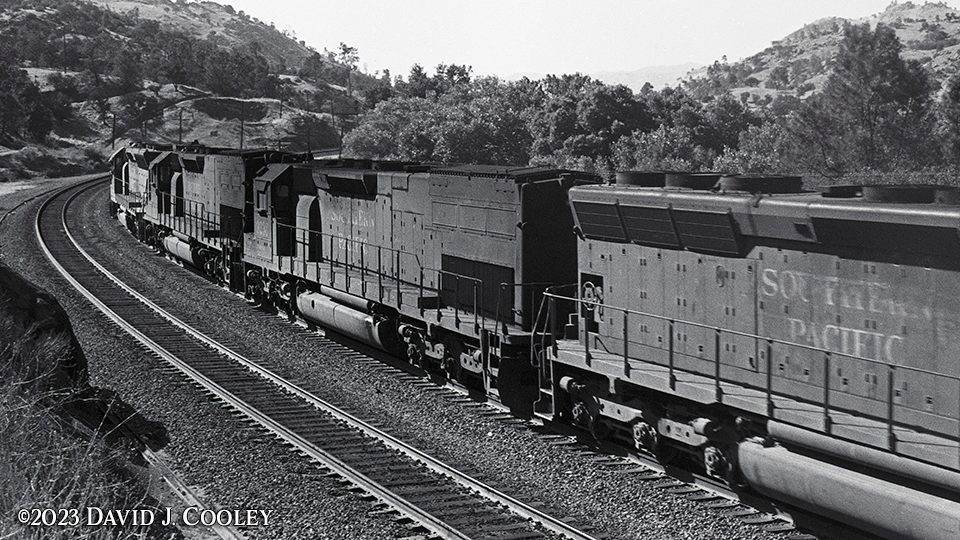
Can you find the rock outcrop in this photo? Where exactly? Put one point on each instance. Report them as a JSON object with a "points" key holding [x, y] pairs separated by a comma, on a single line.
{"points": [[38, 348]]}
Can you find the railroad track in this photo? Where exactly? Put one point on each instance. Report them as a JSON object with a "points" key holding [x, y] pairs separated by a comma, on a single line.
{"points": [[618, 458], [436, 499]]}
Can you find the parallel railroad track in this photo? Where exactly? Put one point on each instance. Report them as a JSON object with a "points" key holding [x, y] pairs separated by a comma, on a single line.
{"points": [[438, 500]]}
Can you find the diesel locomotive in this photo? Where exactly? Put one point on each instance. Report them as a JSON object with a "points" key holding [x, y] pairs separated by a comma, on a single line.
{"points": [[803, 344], [443, 264]]}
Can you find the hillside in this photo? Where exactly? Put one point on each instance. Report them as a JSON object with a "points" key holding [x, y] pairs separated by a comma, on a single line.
{"points": [[219, 24], [82, 75], [799, 63]]}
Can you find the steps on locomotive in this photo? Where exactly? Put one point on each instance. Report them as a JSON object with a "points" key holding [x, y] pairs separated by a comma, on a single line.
{"points": [[927, 447]]}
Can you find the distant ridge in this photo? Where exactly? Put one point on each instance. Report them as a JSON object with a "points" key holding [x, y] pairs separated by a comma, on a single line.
{"points": [[657, 76]]}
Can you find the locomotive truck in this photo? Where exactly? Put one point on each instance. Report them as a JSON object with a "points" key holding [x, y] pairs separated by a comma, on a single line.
{"points": [[802, 344]]}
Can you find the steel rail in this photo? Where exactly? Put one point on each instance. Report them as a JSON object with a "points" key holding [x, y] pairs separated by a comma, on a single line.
{"points": [[173, 481], [433, 464], [401, 505], [549, 522]]}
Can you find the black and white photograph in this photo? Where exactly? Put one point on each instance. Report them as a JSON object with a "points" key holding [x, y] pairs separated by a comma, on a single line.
{"points": [[505, 270]]}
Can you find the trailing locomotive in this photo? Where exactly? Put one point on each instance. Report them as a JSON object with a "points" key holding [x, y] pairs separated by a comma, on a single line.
{"points": [[803, 343], [442, 264]]}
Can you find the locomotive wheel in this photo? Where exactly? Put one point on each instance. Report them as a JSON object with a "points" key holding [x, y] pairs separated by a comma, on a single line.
{"points": [[715, 463], [451, 367], [451, 359], [600, 428], [415, 354]]}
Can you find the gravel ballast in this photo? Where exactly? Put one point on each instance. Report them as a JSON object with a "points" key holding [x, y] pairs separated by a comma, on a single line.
{"points": [[236, 468]]}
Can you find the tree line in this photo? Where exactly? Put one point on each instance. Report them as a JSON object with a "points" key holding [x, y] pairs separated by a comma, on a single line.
{"points": [[877, 113]]}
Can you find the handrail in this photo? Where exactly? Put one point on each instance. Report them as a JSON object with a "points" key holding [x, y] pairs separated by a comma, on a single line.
{"points": [[770, 342], [531, 285], [341, 252], [194, 217], [745, 334]]}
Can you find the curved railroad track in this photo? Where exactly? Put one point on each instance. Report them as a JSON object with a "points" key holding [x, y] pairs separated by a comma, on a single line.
{"points": [[675, 483], [437, 498]]}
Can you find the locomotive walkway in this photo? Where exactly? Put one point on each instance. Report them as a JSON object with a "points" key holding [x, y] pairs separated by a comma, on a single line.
{"points": [[435, 499]]}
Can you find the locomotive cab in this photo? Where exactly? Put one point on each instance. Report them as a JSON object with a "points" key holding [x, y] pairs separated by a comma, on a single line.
{"points": [[120, 175]]}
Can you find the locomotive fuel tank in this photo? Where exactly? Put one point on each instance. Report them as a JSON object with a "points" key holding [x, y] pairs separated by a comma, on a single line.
{"points": [[881, 507], [346, 319], [182, 250], [822, 325]]}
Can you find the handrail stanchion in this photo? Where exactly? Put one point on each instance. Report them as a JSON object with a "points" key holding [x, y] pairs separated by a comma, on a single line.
{"points": [[626, 342], [552, 313], [891, 435], [718, 389], [380, 273], [456, 306], [497, 317], [670, 353], [586, 344], [827, 427], [770, 405], [346, 262], [439, 303], [396, 272], [363, 270]]}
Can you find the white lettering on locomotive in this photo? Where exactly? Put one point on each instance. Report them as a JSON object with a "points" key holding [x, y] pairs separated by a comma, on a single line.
{"points": [[833, 292], [849, 341]]}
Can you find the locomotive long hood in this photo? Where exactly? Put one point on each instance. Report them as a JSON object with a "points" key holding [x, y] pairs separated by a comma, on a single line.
{"points": [[718, 221]]}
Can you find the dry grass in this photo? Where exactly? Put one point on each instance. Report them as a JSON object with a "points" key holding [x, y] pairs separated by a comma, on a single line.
{"points": [[43, 465], [44, 462]]}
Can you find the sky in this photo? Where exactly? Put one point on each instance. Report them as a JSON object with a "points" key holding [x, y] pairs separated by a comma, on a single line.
{"points": [[537, 37]]}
